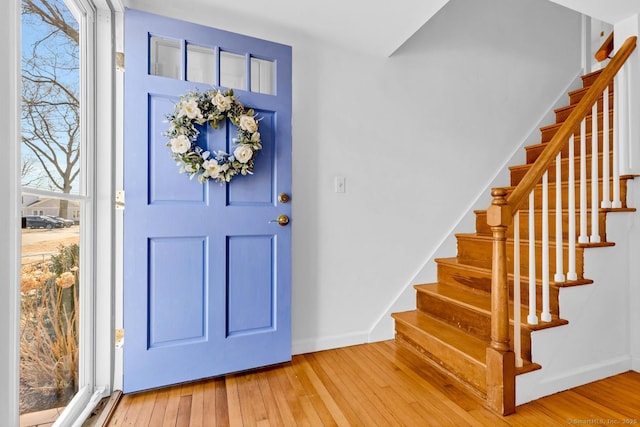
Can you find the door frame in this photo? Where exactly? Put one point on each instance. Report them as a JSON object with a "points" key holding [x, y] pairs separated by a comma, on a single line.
{"points": [[9, 227]]}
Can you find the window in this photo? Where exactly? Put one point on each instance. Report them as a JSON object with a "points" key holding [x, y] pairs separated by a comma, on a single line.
{"points": [[55, 172], [58, 173]]}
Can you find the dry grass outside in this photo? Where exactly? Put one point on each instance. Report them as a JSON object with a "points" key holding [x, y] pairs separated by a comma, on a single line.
{"points": [[49, 331]]}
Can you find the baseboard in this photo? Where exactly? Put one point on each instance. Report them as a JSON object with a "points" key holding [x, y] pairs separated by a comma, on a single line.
{"points": [[534, 385], [635, 364], [326, 343]]}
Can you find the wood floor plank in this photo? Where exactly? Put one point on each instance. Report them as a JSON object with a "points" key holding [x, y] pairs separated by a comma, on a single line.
{"points": [[284, 398], [443, 392], [160, 407], [368, 390], [171, 412], [405, 397], [233, 401], [251, 401], [367, 385], [334, 387], [209, 403], [368, 413], [184, 411], [324, 394], [196, 418], [315, 399], [222, 405], [309, 415], [613, 395], [268, 398]]}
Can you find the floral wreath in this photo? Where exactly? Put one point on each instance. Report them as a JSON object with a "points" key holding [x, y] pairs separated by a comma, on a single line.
{"points": [[212, 106]]}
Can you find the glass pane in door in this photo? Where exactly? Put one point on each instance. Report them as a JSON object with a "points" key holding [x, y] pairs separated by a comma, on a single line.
{"points": [[233, 71], [263, 76], [165, 58], [201, 64]]}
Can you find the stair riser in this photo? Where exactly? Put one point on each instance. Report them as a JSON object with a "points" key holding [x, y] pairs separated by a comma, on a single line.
{"points": [[470, 278], [469, 371], [537, 194], [470, 321], [518, 172], [588, 79], [547, 133], [576, 95], [534, 151], [563, 113], [478, 253], [483, 229]]}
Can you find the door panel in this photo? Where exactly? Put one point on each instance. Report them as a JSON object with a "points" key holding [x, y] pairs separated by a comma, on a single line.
{"points": [[207, 276]]}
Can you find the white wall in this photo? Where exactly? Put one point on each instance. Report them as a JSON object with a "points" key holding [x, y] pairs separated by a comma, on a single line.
{"points": [[417, 136], [9, 214]]}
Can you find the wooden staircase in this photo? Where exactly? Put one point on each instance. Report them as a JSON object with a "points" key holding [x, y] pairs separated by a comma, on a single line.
{"points": [[451, 326]]}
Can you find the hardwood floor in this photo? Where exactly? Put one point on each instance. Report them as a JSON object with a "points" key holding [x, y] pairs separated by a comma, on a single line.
{"points": [[366, 385]]}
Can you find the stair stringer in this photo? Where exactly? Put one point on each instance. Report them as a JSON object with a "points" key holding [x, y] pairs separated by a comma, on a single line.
{"points": [[596, 342], [383, 327]]}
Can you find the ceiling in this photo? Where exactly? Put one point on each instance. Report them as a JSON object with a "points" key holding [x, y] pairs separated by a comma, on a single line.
{"points": [[375, 26], [611, 11]]}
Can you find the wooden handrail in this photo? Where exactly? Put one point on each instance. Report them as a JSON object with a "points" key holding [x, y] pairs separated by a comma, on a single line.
{"points": [[605, 50], [581, 110]]}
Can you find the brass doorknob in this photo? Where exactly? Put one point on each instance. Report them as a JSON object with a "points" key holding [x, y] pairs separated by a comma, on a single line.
{"points": [[284, 198], [282, 220]]}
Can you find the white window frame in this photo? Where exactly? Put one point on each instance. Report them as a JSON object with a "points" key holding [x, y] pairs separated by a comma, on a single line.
{"points": [[96, 321]]}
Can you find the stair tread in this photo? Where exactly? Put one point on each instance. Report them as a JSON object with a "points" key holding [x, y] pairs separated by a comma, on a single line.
{"points": [[552, 243], [564, 210], [454, 261], [564, 160], [481, 301], [468, 345]]}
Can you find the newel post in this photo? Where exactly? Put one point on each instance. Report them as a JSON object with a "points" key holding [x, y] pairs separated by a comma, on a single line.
{"points": [[501, 391]]}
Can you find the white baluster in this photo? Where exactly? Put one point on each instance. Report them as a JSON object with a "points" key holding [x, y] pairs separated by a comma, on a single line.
{"points": [[559, 276], [595, 200], [584, 237], [606, 198], [517, 343], [545, 315], [623, 121], [571, 201], [616, 203], [532, 318]]}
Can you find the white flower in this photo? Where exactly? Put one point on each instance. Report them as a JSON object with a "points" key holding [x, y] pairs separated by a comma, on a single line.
{"points": [[190, 109], [211, 168], [222, 102], [248, 123], [180, 144], [243, 153], [255, 137]]}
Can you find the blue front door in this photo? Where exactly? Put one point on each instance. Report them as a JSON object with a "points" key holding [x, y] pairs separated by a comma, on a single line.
{"points": [[207, 271]]}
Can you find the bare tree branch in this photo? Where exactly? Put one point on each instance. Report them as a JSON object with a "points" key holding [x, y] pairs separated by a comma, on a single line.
{"points": [[50, 101], [51, 14]]}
